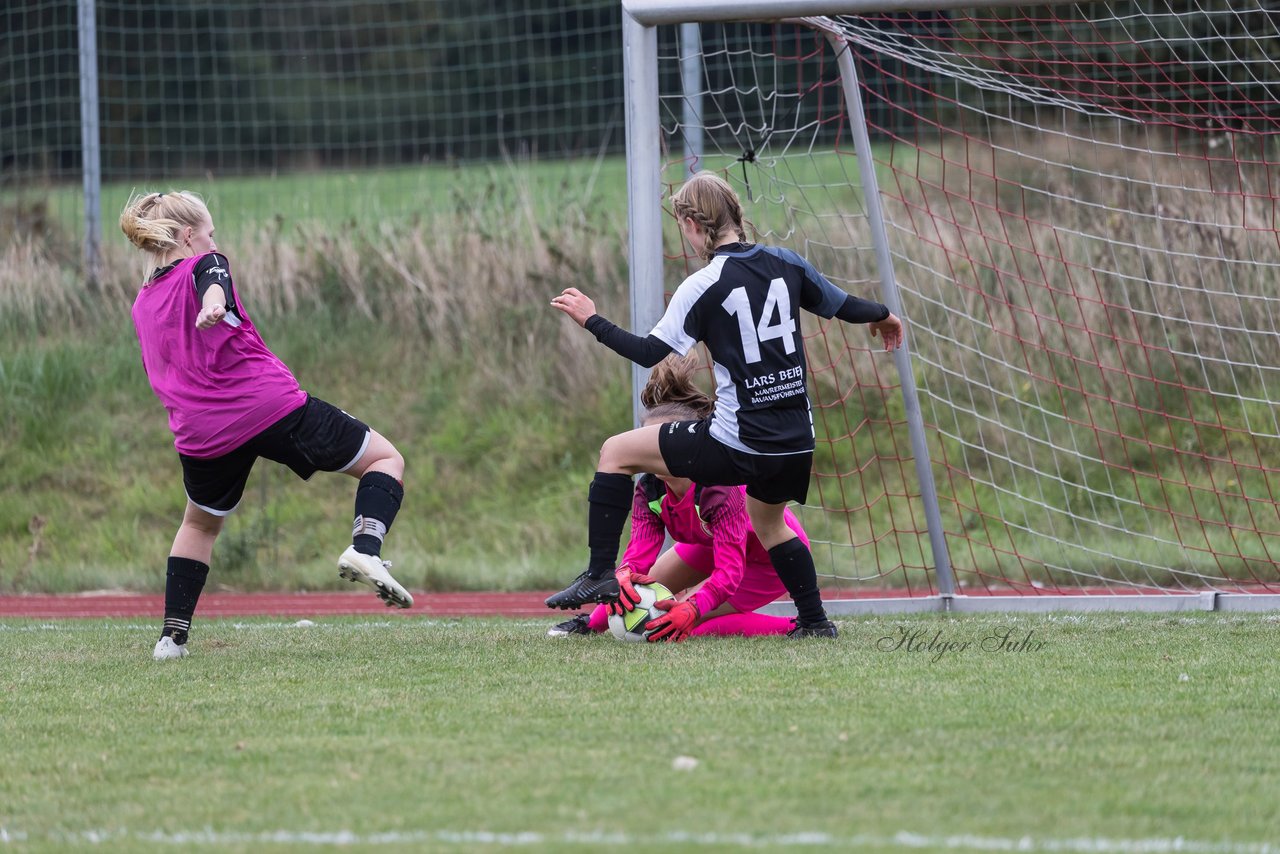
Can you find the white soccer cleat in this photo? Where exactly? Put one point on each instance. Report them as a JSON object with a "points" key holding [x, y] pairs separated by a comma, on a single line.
{"points": [[167, 649], [372, 571]]}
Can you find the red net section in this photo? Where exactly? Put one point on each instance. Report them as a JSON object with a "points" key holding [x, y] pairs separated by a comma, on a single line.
{"points": [[1081, 208]]}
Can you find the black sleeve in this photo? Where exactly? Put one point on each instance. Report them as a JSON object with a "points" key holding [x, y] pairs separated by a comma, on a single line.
{"points": [[645, 352], [214, 269], [858, 310]]}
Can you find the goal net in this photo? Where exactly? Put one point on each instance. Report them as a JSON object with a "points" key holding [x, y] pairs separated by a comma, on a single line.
{"points": [[1081, 208]]}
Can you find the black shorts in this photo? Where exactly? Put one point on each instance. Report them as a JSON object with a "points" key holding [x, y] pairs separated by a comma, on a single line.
{"points": [[689, 451], [317, 436]]}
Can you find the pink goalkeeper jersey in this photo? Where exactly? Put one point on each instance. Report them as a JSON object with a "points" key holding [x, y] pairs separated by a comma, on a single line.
{"points": [[718, 519], [221, 386]]}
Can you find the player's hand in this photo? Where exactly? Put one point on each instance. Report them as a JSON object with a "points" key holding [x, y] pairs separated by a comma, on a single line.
{"points": [[211, 316], [628, 598], [676, 624], [576, 304], [890, 330]]}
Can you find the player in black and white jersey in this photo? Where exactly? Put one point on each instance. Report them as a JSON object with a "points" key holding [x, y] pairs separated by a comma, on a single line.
{"points": [[744, 306]]}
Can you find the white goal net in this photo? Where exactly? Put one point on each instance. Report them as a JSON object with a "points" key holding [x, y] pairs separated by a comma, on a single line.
{"points": [[1081, 207]]}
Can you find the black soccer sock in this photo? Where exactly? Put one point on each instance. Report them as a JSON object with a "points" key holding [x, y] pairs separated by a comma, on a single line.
{"points": [[378, 500], [794, 564], [608, 500], [184, 580]]}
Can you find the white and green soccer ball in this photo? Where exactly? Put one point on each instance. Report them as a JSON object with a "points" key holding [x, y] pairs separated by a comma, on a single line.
{"points": [[633, 626]]}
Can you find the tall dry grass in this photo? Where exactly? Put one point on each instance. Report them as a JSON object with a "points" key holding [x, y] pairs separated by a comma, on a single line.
{"points": [[1098, 324], [438, 331], [1097, 268], [475, 286]]}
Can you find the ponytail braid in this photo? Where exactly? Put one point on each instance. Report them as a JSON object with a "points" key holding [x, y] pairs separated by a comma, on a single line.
{"points": [[709, 201]]}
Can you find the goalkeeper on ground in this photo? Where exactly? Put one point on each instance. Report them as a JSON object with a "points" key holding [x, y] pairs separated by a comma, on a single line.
{"points": [[716, 556]]}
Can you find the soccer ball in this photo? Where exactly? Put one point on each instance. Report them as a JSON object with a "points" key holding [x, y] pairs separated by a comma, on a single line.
{"points": [[632, 626]]}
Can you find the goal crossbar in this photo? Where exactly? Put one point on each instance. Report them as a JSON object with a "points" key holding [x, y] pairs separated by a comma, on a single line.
{"points": [[651, 13]]}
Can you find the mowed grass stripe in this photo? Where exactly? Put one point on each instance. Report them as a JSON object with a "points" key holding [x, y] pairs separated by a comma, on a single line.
{"points": [[1119, 727], [470, 839]]}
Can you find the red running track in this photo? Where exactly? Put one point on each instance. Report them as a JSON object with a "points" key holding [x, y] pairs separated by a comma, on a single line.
{"points": [[212, 605], [525, 604]]}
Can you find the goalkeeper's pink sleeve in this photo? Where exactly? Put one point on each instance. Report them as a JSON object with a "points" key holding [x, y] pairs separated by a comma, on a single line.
{"points": [[648, 535], [726, 510]]}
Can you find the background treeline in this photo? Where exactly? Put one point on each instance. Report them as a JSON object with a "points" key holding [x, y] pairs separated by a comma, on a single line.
{"points": [[257, 86], [236, 85], [195, 85]]}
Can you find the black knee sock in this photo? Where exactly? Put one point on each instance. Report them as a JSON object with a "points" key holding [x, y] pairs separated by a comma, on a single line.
{"points": [[183, 582], [378, 500], [794, 564], [609, 501]]}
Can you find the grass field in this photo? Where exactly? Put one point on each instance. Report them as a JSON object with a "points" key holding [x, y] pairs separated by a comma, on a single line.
{"points": [[1130, 734], [244, 204]]}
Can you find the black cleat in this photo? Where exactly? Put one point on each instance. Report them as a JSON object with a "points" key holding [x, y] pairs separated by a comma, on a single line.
{"points": [[574, 626], [824, 629], [585, 589]]}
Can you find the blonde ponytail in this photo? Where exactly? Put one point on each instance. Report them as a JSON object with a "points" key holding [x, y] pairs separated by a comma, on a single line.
{"points": [[671, 395], [152, 221]]}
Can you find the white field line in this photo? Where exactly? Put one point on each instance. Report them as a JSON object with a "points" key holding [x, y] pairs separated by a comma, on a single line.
{"points": [[318, 624], [903, 839]]}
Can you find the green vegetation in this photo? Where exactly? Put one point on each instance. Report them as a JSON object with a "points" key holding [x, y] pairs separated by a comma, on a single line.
{"points": [[93, 489], [415, 299], [247, 206], [1112, 435], [1118, 728]]}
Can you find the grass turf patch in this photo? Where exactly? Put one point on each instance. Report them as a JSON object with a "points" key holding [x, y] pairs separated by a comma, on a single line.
{"points": [[433, 733]]}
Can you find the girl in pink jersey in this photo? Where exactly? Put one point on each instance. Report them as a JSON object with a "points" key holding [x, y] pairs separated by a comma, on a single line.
{"points": [[230, 401], [717, 558]]}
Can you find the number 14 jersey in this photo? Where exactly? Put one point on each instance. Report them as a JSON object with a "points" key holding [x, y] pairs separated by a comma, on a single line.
{"points": [[744, 306]]}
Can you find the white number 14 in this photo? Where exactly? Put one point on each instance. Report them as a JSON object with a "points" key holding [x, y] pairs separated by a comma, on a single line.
{"points": [[778, 300]]}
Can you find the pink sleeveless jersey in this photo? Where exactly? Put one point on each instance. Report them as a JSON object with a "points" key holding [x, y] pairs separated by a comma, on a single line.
{"points": [[221, 386]]}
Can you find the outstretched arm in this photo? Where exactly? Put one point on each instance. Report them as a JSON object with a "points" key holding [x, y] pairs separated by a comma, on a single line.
{"points": [[889, 330], [882, 321], [819, 296], [645, 352]]}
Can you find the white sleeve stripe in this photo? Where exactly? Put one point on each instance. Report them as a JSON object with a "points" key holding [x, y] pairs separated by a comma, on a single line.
{"points": [[680, 347], [670, 328]]}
